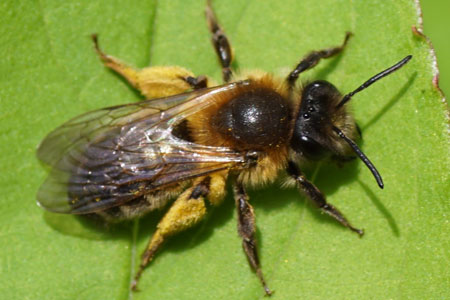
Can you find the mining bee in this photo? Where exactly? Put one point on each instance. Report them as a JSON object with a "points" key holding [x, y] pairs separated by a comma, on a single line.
{"points": [[190, 136]]}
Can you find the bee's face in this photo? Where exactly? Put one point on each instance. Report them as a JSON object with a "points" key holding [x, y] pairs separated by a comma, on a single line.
{"points": [[313, 135]]}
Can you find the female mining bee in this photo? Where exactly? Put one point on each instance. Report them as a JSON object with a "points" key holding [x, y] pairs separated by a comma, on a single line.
{"points": [[189, 137]]}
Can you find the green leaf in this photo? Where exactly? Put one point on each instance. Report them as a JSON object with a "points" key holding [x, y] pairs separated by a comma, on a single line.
{"points": [[50, 73], [435, 14]]}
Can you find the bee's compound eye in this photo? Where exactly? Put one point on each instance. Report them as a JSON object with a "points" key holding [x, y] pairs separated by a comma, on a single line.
{"points": [[310, 148], [318, 93]]}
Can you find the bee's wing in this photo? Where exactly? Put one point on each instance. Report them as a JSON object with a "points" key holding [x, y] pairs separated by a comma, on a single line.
{"points": [[110, 156]]}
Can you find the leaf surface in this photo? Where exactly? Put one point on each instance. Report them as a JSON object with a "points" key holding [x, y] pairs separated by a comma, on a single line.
{"points": [[50, 73]]}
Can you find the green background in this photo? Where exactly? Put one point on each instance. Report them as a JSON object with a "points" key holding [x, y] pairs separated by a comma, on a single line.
{"points": [[436, 24], [49, 73]]}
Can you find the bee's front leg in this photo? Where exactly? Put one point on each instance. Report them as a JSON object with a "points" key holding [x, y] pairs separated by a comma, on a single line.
{"points": [[313, 58], [247, 230], [316, 196]]}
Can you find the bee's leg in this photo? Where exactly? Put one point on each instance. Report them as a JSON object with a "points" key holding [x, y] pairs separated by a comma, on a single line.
{"points": [[247, 229], [313, 58], [220, 43], [152, 82], [186, 211], [196, 83], [217, 187], [316, 196]]}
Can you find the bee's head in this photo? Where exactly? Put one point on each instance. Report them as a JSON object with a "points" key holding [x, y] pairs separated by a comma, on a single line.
{"points": [[319, 112], [323, 127]]}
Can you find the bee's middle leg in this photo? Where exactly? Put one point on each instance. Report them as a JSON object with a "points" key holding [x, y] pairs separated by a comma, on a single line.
{"points": [[185, 212], [152, 82], [197, 83], [247, 230]]}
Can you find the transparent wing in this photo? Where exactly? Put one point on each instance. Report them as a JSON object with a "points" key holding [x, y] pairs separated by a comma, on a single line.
{"points": [[110, 156]]}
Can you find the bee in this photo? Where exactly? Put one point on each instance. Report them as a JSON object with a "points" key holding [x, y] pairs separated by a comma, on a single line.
{"points": [[190, 136]]}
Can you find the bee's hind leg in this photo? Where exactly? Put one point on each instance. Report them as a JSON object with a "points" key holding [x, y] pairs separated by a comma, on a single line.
{"points": [[197, 83], [151, 82], [186, 211]]}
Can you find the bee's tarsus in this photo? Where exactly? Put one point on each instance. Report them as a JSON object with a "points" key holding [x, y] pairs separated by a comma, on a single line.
{"points": [[360, 232], [313, 58], [104, 57], [196, 83], [247, 230], [134, 283], [220, 42], [267, 291], [316, 196]]}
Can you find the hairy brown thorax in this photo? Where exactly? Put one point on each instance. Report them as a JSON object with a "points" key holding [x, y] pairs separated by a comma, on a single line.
{"points": [[257, 117], [254, 120]]}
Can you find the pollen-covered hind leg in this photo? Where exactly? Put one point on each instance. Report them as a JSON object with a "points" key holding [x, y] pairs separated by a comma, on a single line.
{"points": [[247, 230], [185, 212], [316, 196], [152, 82]]}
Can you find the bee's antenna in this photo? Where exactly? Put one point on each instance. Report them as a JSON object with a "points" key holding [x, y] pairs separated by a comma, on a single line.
{"points": [[362, 156], [373, 79]]}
